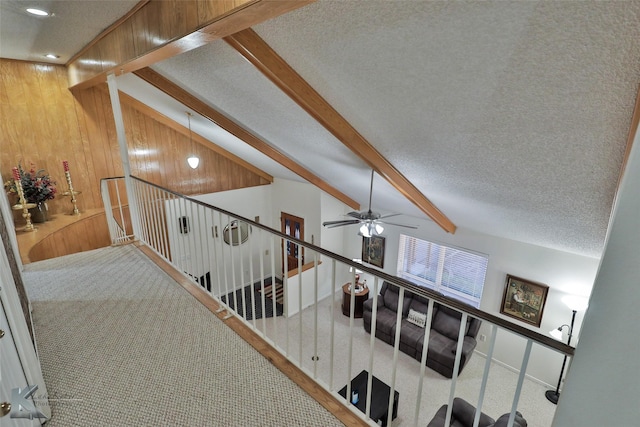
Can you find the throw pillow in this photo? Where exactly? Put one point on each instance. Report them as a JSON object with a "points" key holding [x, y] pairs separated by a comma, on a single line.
{"points": [[417, 318]]}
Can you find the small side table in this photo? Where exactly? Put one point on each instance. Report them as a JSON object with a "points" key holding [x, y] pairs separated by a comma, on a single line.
{"points": [[361, 297]]}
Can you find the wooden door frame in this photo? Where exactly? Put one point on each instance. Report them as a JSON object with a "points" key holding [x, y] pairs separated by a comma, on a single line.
{"points": [[282, 229]]}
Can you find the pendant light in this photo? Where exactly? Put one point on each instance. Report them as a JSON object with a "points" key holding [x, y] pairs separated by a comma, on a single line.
{"points": [[192, 160]]}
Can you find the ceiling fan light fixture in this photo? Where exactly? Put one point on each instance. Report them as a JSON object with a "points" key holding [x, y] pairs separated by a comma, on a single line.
{"points": [[364, 229], [379, 228]]}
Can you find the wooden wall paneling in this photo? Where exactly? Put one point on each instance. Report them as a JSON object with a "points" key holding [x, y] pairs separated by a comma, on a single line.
{"points": [[197, 139], [93, 147], [155, 144], [166, 158], [81, 158]]}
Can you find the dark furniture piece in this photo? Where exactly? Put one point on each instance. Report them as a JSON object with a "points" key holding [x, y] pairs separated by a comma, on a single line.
{"points": [[443, 337], [463, 414], [361, 297], [379, 397]]}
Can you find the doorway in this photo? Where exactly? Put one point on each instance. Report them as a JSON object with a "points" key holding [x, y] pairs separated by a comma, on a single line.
{"points": [[292, 226]]}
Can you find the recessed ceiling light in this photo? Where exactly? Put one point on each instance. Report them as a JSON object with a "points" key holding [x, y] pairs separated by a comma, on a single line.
{"points": [[52, 56], [37, 12]]}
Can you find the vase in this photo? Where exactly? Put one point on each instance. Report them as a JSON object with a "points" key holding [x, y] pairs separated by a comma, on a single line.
{"points": [[39, 213]]}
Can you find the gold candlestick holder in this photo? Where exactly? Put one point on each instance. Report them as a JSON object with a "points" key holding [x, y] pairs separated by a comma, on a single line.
{"points": [[72, 193], [24, 207]]}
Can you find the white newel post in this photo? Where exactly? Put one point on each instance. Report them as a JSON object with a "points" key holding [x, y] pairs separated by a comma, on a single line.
{"points": [[124, 154]]}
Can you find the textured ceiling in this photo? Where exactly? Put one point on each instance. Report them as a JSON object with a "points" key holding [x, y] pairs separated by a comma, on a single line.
{"points": [[72, 26], [512, 117]]}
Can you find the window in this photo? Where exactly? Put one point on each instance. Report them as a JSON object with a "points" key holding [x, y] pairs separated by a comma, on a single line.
{"points": [[455, 273]]}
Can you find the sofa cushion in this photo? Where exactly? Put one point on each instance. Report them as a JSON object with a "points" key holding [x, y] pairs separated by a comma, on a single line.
{"points": [[419, 303], [447, 322], [411, 334], [440, 348], [386, 322], [391, 297]]}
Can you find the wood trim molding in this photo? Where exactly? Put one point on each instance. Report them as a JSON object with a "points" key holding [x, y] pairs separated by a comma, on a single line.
{"points": [[155, 30], [161, 118], [190, 101], [259, 53]]}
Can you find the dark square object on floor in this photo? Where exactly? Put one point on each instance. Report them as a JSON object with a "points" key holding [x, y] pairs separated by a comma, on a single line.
{"points": [[379, 397]]}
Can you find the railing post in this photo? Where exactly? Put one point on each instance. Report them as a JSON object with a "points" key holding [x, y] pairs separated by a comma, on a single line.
{"points": [[124, 152]]}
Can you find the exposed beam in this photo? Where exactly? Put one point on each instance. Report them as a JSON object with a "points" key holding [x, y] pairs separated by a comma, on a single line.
{"points": [[260, 54], [161, 118], [190, 101], [159, 29]]}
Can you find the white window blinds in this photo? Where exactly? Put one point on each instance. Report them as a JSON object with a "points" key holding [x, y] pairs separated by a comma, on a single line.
{"points": [[453, 272]]}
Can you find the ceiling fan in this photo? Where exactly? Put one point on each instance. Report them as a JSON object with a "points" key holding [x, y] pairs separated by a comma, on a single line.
{"points": [[370, 222]]}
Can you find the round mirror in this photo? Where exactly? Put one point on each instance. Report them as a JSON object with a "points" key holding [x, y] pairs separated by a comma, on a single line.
{"points": [[236, 232]]}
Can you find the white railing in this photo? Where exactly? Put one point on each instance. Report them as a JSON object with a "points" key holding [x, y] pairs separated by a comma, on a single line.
{"points": [[311, 332], [116, 208]]}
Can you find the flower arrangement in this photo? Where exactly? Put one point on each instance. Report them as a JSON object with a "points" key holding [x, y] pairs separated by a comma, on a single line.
{"points": [[37, 185]]}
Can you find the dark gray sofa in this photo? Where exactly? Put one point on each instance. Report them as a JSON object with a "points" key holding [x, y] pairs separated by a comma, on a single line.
{"points": [[443, 338], [463, 414]]}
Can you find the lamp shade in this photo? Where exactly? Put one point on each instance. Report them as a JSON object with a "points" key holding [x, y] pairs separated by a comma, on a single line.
{"points": [[556, 333], [193, 161], [365, 230]]}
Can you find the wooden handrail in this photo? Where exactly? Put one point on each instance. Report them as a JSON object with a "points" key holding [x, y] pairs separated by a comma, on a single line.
{"points": [[529, 334]]}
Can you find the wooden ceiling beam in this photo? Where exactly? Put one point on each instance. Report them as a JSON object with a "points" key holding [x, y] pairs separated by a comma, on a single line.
{"points": [[260, 54], [155, 30], [190, 101]]}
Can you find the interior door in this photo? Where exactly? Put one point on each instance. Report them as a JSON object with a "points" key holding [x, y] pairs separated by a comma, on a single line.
{"points": [[292, 226], [11, 377]]}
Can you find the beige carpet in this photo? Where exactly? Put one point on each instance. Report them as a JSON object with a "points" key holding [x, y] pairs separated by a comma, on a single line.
{"points": [[121, 344]]}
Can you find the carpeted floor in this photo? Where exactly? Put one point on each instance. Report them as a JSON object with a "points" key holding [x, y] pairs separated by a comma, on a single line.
{"points": [[121, 344]]}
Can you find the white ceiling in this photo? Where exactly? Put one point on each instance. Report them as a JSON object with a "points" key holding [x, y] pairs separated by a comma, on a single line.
{"points": [[512, 117]]}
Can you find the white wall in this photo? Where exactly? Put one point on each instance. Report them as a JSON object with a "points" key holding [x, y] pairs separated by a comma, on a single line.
{"points": [[198, 256], [603, 383], [305, 201], [267, 202], [563, 272]]}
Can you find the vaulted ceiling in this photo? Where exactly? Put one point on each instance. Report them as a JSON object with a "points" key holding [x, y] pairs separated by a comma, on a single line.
{"points": [[511, 117]]}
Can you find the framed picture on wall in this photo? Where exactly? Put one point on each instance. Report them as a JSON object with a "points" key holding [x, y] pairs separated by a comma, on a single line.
{"points": [[373, 250], [524, 300]]}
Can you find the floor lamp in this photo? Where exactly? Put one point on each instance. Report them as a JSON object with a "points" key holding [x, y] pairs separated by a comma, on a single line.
{"points": [[575, 304]]}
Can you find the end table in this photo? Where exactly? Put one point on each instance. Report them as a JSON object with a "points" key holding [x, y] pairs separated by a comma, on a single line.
{"points": [[361, 297]]}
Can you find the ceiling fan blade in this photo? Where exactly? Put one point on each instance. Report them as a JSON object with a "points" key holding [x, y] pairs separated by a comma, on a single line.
{"points": [[332, 224], [355, 214], [399, 225], [389, 215]]}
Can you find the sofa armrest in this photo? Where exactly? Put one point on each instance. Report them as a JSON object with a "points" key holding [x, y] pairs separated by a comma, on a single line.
{"points": [[465, 412], [368, 304], [468, 344]]}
